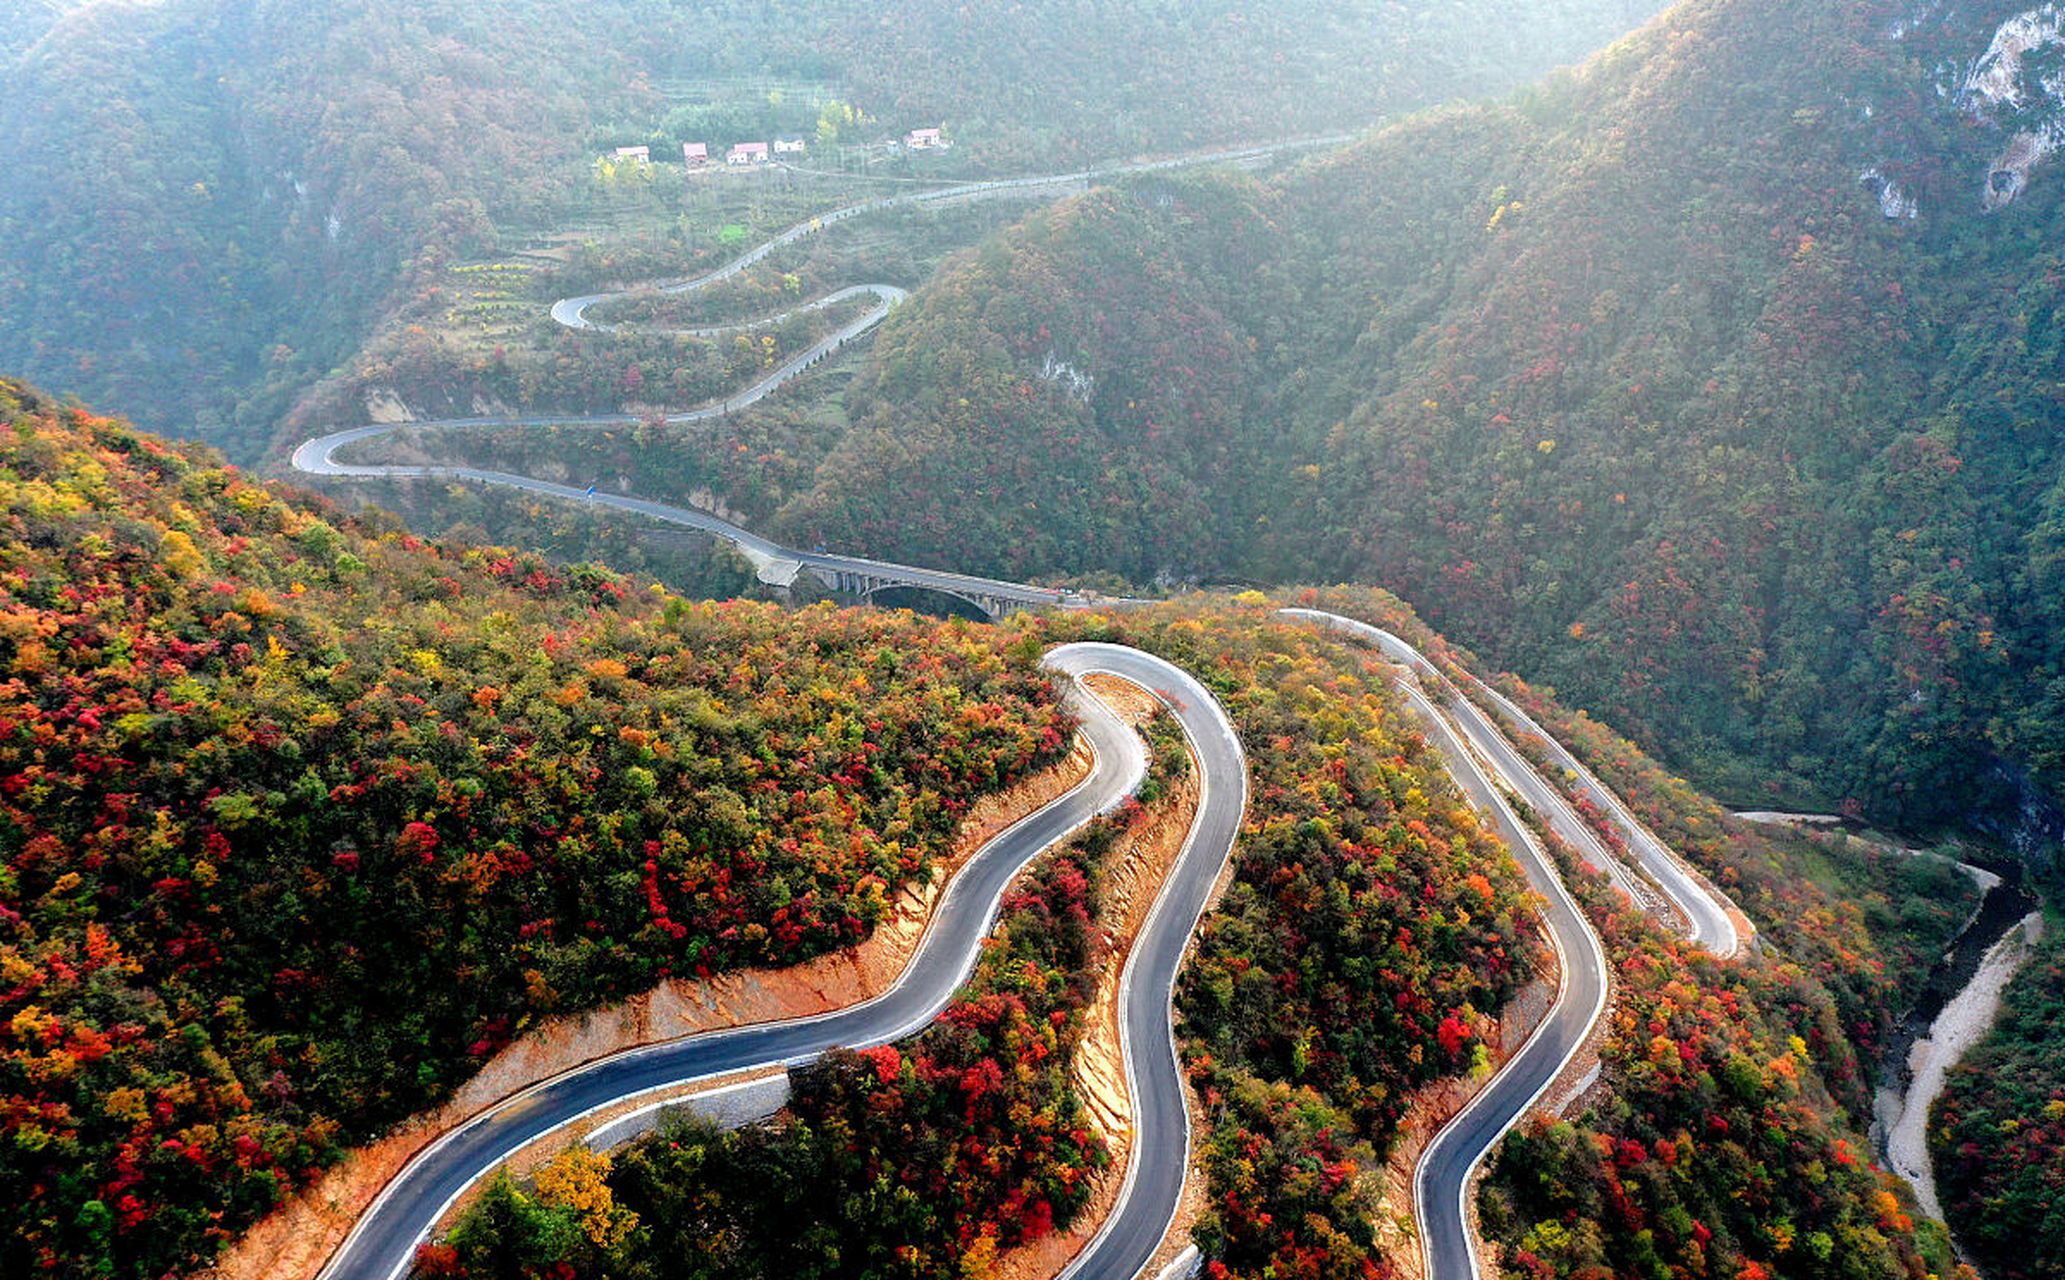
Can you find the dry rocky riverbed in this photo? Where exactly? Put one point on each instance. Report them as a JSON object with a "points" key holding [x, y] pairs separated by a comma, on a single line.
{"points": [[1913, 1076], [1963, 1021]]}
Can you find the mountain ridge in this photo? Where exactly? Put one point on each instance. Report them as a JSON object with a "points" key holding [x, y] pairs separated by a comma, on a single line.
{"points": [[216, 203], [1627, 380]]}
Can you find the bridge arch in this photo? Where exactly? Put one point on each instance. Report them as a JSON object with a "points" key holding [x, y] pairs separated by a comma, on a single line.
{"points": [[933, 600]]}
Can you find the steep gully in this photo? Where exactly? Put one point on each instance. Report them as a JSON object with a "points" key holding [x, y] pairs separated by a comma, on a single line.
{"points": [[1480, 757], [1958, 1003]]}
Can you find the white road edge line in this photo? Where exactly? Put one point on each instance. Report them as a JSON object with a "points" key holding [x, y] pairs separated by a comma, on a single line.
{"points": [[1424, 705], [506, 1103], [1137, 1157]]}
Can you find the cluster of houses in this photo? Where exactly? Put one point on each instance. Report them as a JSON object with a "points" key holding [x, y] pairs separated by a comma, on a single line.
{"points": [[745, 155], [696, 155]]}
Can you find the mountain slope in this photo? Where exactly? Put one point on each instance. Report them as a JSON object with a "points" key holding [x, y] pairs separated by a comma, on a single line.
{"points": [[209, 200], [300, 822], [30, 20], [211, 203], [1633, 381]]}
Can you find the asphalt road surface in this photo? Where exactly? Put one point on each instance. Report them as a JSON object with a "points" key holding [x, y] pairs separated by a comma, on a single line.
{"points": [[1155, 1173], [1705, 915], [318, 457], [383, 1242], [1441, 1182]]}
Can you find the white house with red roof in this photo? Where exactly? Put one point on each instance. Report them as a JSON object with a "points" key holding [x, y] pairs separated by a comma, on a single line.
{"points": [[747, 153], [924, 140]]}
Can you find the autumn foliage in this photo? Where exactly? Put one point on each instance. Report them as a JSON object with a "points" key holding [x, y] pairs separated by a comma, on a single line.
{"points": [[923, 1158], [1720, 1150], [1370, 931], [301, 820], [1371, 934], [1627, 378], [1997, 1134]]}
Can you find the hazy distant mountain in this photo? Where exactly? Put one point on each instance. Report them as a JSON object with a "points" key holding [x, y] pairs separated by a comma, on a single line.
{"points": [[24, 22], [208, 201]]}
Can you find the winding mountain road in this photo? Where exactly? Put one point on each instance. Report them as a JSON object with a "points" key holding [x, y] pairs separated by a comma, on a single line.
{"points": [[775, 563], [1160, 1162], [573, 312], [1441, 1182], [382, 1243], [1703, 915]]}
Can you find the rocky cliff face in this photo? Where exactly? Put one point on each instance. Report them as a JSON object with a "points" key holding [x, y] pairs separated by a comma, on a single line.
{"points": [[2011, 86], [2018, 86]]}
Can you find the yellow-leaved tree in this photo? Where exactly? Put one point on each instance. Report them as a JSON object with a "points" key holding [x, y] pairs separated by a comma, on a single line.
{"points": [[578, 1179]]}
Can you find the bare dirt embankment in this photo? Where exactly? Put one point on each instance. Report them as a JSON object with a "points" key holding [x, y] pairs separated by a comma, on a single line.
{"points": [[1434, 1106], [294, 1241], [1134, 874]]}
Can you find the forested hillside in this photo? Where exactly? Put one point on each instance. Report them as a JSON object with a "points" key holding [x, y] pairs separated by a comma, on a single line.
{"points": [[897, 1160], [1715, 383], [273, 779], [1371, 931], [301, 821], [29, 21], [210, 203], [1997, 1134]]}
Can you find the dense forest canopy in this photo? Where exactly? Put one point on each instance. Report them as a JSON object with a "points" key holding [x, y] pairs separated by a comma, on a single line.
{"points": [[29, 21], [301, 821], [1716, 383], [1997, 1133], [211, 201], [1371, 928], [271, 778]]}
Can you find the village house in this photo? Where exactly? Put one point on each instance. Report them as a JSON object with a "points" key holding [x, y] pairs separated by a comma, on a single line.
{"points": [[788, 146], [747, 153], [695, 155], [924, 140], [642, 155]]}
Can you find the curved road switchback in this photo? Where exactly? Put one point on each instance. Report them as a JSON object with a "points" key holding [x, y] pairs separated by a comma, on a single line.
{"points": [[1160, 1161], [1699, 909], [381, 1244], [775, 563], [383, 1241], [1706, 914], [573, 312], [1442, 1179]]}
